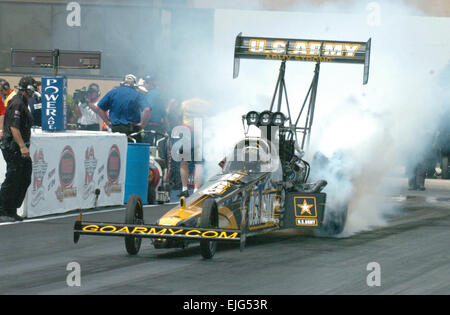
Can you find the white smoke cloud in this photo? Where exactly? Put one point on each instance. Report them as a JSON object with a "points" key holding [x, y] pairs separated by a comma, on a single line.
{"points": [[373, 129]]}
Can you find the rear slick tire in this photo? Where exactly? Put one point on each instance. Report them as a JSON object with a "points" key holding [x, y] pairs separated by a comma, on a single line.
{"points": [[334, 222], [134, 214], [209, 219]]}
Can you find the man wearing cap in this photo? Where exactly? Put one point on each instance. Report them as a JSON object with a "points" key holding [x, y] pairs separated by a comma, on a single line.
{"points": [[125, 105], [35, 103], [15, 149], [6, 90]]}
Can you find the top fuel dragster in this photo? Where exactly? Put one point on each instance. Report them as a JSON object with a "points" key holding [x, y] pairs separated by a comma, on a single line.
{"points": [[264, 181]]}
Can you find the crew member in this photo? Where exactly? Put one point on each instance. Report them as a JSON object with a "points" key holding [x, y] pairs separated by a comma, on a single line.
{"points": [[174, 119], [2, 115], [158, 118], [424, 163], [125, 105], [443, 146], [6, 94], [35, 103], [193, 109], [86, 110], [15, 149], [6, 90], [416, 178]]}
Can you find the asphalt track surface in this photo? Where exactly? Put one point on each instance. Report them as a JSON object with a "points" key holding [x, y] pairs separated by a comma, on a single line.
{"points": [[412, 251]]}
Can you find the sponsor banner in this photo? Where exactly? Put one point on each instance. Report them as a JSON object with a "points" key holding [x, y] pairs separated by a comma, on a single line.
{"points": [[54, 103], [68, 169], [312, 50], [114, 166]]}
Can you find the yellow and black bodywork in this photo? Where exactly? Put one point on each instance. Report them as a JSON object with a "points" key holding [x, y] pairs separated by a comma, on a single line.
{"points": [[247, 204]]}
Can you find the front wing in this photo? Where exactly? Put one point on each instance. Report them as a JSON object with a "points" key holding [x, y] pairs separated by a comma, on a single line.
{"points": [[302, 210], [154, 231]]}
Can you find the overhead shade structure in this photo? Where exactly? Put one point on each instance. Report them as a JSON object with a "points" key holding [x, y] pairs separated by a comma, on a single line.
{"points": [[79, 59], [32, 58], [56, 59]]}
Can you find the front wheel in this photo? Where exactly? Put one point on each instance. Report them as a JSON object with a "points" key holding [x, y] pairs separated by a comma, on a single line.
{"points": [[134, 214], [209, 219]]}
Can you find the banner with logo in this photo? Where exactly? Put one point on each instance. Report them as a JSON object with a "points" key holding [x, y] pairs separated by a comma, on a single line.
{"points": [[54, 103], [70, 167]]}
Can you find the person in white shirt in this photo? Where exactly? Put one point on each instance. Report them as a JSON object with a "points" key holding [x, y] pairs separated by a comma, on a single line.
{"points": [[87, 110]]}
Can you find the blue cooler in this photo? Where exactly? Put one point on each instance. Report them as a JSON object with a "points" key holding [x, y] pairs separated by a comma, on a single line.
{"points": [[136, 178]]}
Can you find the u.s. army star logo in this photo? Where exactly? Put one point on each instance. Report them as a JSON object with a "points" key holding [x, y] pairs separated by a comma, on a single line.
{"points": [[305, 211], [305, 208]]}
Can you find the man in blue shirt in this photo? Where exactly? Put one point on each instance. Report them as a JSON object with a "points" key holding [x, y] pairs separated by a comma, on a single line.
{"points": [[158, 118], [125, 105]]}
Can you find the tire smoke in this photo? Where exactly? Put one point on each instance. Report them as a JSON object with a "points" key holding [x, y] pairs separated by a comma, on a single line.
{"points": [[368, 133]]}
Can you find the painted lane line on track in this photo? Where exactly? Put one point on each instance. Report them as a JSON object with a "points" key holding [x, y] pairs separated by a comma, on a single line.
{"points": [[62, 216]]}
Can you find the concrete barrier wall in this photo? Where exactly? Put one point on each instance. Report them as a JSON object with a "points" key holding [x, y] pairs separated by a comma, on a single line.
{"points": [[67, 169]]}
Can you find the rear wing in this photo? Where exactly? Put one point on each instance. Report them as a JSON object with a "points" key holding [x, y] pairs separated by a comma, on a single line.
{"points": [[301, 50]]}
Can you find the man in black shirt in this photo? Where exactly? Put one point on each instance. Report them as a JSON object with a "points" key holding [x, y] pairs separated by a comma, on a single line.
{"points": [[15, 149]]}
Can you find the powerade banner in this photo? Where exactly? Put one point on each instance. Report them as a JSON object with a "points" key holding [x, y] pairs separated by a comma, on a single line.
{"points": [[54, 102]]}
